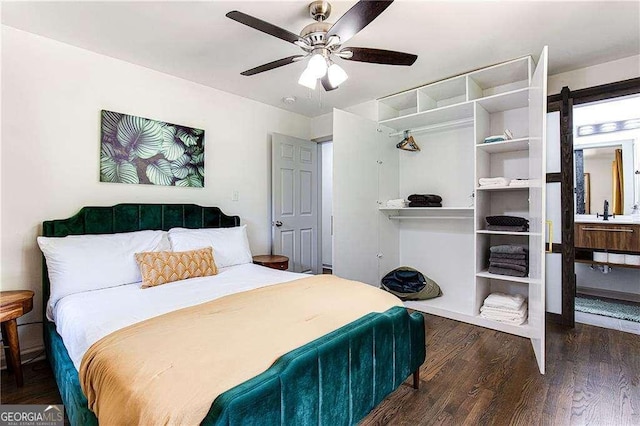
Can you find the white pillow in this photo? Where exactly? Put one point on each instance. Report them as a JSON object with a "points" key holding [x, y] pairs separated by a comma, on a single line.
{"points": [[230, 245], [79, 263]]}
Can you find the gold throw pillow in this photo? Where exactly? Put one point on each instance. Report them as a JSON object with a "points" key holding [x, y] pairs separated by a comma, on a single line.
{"points": [[161, 267]]}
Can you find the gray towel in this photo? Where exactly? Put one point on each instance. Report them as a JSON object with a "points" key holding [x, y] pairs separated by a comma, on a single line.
{"points": [[509, 266], [508, 256], [523, 228], [510, 249], [502, 271], [520, 262]]}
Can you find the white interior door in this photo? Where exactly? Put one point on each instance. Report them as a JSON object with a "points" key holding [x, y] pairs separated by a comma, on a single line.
{"points": [[537, 201], [294, 202], [363, 156]]}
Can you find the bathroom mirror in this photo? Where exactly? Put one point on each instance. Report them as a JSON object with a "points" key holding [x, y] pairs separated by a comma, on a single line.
{"points": [[605, 171], [606, 144]]}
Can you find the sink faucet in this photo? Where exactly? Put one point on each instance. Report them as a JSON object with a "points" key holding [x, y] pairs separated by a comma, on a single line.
{"points": [[605, 215]]}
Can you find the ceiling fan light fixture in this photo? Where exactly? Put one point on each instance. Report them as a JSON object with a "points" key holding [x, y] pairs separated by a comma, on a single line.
{"points": [[308, 79], [317, 65], [336, 75]]}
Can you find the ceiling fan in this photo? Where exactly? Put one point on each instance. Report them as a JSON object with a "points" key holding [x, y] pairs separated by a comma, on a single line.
{"points": [[322, 41]]}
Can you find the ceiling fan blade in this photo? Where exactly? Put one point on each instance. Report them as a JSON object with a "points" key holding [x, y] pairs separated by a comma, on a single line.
{"points": [[263, 26], [379, 56], [356, 18], [272, 65], [326, 84]]}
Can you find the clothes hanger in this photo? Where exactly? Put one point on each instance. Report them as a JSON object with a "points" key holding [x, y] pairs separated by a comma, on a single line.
{"points": [[408, 143]]}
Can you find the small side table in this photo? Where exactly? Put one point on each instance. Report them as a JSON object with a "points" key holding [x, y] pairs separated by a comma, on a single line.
{"points": [[273, 261], [13, 305]]}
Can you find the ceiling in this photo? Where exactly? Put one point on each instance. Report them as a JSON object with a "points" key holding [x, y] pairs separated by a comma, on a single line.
{"points": [[195, 41]]}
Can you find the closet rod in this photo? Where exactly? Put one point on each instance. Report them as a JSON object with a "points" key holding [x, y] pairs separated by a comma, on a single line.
{"points": [[430, 217], [453, 123]]}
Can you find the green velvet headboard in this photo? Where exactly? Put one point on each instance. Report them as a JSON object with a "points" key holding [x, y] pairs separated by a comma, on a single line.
{"points": [[129, 218]]}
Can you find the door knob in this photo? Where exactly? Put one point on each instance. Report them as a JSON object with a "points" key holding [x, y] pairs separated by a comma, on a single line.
{"points": [[278, 223]]}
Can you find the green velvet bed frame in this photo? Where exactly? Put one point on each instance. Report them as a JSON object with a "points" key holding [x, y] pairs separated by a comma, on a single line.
{"points": [[334, 380]]}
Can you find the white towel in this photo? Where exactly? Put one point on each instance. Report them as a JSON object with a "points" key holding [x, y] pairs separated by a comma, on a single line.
{"points": [[516, 317], [398, 203], [519, 182], [496, 181], [501, 300]]}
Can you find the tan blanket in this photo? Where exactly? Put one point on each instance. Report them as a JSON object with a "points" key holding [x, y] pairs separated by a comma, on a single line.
{"points": [[169, 369]]}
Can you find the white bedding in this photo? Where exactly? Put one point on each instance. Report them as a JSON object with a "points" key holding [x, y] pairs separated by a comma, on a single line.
{"points": [[84, 318]]}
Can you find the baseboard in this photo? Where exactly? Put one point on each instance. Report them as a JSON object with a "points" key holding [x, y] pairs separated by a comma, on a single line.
{"points": [[25, 356]]}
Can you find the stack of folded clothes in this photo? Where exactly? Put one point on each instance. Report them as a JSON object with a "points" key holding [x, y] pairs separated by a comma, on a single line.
{"points": [[509, 259], [425, 200], [507, 223], [506, 308], [507, 135], [397, 203]]}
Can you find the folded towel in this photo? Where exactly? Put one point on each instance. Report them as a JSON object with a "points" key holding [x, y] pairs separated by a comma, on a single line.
{"points": [[503, 300], [510, 249], [497, 181], [504, 220], [515, 318], [519, 182], [514, 267], [508, 228], [508, 256], [521, 311], [424, 204], [398, 203], [504, 271], [497, 262], [429, 198], [498, 138]]}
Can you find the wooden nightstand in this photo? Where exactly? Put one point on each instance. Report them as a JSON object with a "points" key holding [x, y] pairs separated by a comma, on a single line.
{"points": [[13, 305], [273, 261]]}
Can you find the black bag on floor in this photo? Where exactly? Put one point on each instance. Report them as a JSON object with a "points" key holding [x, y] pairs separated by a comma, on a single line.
{"points": [[409, 284]]}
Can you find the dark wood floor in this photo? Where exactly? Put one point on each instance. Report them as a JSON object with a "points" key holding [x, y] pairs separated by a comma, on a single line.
{"points": [[478, 376]]}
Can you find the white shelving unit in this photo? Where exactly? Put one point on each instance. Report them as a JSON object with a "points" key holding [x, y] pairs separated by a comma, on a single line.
{"points": [[449, 120]]}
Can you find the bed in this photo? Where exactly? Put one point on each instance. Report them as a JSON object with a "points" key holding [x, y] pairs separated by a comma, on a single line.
{"points": [[336, 378]]}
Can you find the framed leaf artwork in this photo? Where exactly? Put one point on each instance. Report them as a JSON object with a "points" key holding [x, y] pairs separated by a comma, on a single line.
{"points": [[144, 151]]}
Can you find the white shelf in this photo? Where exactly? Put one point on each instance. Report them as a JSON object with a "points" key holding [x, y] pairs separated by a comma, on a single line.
{"points": [[501, 188], [487, 274], [431, 217], [513, 145], [505, 101], [427, 208], [432, 213], [445, 114], [519, 330], [484, 231]]}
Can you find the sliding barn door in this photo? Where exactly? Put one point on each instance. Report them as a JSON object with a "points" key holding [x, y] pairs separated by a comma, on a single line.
{"points": [[294, 201], [537, 206], [365, 174]]}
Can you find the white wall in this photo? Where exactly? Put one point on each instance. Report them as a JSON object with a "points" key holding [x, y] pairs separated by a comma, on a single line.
{"points": [[52, 94], [607, 72], [327, 202], [322, 125]]}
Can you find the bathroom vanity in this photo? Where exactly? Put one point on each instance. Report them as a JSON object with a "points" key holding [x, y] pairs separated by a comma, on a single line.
{"points": [[612, 242]]}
